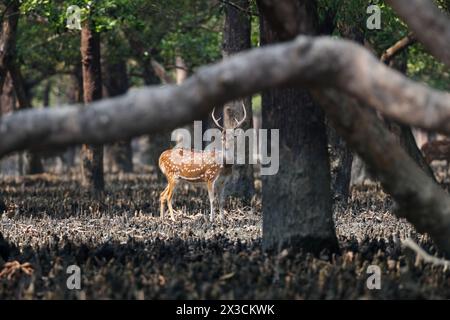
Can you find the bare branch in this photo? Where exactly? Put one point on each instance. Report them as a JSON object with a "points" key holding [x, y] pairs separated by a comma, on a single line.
{"points": [[420, 200], [430, 25], [312, 62], [398, 47]]}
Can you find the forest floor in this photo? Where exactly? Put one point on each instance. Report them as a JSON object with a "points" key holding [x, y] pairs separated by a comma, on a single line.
{"points": [[125, 251]]}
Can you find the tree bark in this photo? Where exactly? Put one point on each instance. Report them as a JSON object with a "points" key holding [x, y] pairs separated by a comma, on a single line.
{"points": [[236, 38], [91, 155], [31, 161], [116, 84], [8, 97], [8, 39], [297, 211], [341, 159]]}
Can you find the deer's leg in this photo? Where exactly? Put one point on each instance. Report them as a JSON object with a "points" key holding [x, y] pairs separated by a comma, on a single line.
{"points": [[221, 201], [220, 186], [162, 200], [172, 185], [210, 185]]}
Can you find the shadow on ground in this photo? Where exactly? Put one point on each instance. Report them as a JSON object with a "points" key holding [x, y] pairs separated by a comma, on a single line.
{"points": [[125, 252]]}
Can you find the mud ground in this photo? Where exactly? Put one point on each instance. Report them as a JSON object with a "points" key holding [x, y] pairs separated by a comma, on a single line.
{"points": [[126, 252]]}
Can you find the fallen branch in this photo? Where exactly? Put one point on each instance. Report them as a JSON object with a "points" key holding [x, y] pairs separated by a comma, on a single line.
{"points": [[321, 62], [420, 200], [430, 25], [409, 243]]}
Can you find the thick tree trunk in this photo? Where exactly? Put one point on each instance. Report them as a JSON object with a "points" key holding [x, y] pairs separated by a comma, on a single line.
{"points": [[236, 37], [91, 155], [116, 83], [297, 211]]}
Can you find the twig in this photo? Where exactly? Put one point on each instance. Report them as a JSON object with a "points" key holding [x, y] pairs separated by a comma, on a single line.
{"points": [[409, 243], [398, 47], [234, 5]]}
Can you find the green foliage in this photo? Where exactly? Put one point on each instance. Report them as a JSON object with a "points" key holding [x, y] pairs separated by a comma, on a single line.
{"points": [[425, 68], [191, 29], [352, 14]]}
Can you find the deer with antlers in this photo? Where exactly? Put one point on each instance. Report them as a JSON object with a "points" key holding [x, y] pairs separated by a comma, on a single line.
{"points": [[198, 166]]}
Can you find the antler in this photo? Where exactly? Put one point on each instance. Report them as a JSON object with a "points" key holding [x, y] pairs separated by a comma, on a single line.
{"points": [[215, 120], [239, 123]]}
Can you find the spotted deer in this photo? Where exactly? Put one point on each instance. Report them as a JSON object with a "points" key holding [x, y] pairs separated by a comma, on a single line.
{"points": [[198, 166]]}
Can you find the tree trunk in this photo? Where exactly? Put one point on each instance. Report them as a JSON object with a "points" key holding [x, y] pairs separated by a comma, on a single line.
{"points": [[297, 210], [2, 206], [91, 155], [31, 161], [8, 38], [236, 37], [341, 159], [7, 98], [7, 52], [46, 94], [116, 83], [157, 142]]}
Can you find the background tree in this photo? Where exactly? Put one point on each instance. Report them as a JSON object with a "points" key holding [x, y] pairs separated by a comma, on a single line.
{"points": [[10, 18], [92, 155], [115, 75], [236, 37]]}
